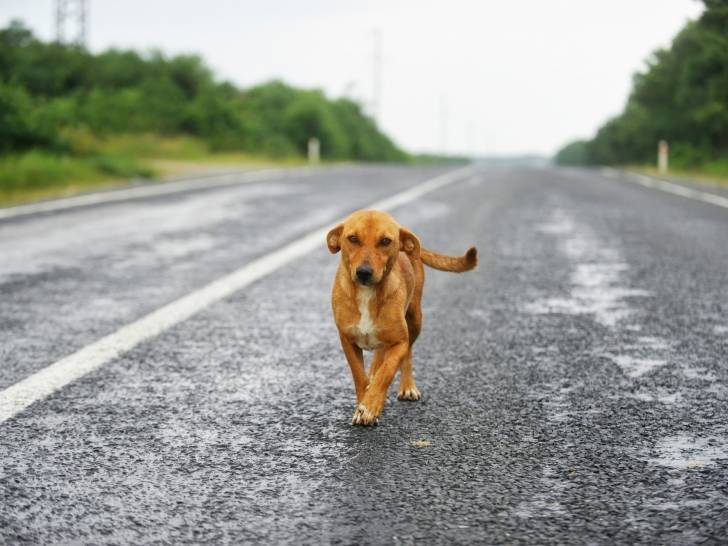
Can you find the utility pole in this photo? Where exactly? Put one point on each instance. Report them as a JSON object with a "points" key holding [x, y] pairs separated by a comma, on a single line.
{"points": [[377, 76], [77, 12]]}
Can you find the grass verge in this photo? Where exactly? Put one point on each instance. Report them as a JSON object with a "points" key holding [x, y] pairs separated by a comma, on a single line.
{"points": [[37, 175], [713, 172], [97, 163]]}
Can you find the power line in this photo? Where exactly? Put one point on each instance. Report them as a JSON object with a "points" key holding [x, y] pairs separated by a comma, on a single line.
{"points": [[72, 13]]}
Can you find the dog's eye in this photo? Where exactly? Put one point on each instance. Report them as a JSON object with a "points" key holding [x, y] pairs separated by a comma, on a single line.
{"points": [[353, 239], [385, 242]]}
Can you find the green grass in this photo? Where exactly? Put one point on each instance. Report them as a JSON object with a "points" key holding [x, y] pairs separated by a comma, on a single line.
{"points": [[153, 147], [99, 162], [143, 146], [715, 171], [37, 175]]}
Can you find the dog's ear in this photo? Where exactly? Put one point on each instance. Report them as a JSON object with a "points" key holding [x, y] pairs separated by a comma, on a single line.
{"points": [[408, 242], [333, 239]]}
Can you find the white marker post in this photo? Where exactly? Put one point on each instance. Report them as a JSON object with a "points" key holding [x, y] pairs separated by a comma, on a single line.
{"points": [[314, 149], [663, 150]]}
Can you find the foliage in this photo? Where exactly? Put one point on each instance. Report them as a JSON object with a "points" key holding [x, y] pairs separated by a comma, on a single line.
{"points": [[575, 153], [681, 97], [440, 159], [50, 93], [39, 173]]}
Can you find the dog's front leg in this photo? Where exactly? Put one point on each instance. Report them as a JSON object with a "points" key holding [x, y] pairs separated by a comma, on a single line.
{"points": [[371, 405], [355, 358]]}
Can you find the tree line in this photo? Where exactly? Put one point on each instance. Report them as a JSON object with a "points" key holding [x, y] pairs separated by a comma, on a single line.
{"points": [[50, 92], [681, 97]]}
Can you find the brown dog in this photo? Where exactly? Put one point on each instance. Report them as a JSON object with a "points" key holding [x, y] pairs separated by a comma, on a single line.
{"points": [[376, 302]]}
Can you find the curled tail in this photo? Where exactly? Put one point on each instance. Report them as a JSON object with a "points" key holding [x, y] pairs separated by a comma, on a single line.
{"points": [[456, 264]]}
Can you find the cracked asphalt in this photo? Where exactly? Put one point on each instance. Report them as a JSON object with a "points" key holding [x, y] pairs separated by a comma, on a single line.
{"points": [[575, 385]]}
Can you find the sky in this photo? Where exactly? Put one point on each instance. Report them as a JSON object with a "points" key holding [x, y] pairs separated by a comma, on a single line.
{"points": [[481, 77]]}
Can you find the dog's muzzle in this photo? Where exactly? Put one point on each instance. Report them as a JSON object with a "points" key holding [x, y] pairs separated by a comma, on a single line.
{"points": [[364, 274]]}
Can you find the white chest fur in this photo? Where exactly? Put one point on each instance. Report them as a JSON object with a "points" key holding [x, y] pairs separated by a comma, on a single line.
{"points": [[364, 330]]}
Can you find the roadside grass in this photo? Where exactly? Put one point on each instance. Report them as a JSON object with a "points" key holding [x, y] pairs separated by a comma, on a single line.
{"points": [[37, 175], [153, 147], [714, 172], [102, 162]]}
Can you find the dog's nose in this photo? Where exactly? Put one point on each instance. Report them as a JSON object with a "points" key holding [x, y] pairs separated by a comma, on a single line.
{"points": [[364, 274]]}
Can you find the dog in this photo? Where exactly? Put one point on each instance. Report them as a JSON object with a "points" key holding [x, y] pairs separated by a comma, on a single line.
{"points": [[376, 302]]}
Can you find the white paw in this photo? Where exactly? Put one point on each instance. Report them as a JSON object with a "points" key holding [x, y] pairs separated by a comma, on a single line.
{"points": [[362, 416], [412, 394]]}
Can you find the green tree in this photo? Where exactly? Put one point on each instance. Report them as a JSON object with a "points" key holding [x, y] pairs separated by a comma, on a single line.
{"points": [[50, 89], [681, 96]]}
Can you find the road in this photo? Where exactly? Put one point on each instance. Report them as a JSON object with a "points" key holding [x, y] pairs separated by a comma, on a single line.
{"points": [[575, 386]]}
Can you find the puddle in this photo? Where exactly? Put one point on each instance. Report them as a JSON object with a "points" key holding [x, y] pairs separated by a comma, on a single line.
{"points": [[660, 395], [559, 225], [634, 367], [647, 354], [479, 314], [699, 373], [597, 277], [652, 342], [683, 452], [667, 505], [544, 503]]}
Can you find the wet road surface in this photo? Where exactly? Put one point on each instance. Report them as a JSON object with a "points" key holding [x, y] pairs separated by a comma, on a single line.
{"points": [[575, 385]]}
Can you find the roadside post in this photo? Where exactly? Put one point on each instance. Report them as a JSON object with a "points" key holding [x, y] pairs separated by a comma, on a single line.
{"points": [[663, 150], [313, 150]]}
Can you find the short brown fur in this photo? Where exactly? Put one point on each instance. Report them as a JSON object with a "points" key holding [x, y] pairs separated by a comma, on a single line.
{"points": [[383, 314]]}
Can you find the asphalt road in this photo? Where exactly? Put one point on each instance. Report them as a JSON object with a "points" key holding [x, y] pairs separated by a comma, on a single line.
{"points": [[575, 386]]}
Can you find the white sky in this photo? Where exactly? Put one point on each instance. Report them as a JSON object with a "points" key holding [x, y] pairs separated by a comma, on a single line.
{"points": [[511, 76]]}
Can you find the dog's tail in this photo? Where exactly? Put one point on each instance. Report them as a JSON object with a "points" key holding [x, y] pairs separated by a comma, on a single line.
{"points": [[456, 264]]}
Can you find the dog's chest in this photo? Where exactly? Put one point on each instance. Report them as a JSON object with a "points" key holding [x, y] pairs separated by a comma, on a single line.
{"points": [[364, 331]]}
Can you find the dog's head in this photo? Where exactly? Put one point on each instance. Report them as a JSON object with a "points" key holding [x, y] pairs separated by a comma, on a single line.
{"points": [[370, 241]]}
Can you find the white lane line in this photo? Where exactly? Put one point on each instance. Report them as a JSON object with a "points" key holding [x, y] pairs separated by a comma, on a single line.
{"points": [[201, 182], [669, 187], [43, 383]]}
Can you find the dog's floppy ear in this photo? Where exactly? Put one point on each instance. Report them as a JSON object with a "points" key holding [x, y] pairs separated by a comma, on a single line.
{"points": [[333, 239], [408, 242]]}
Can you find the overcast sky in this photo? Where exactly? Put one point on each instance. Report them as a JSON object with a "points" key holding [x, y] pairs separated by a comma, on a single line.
{"points": [[489, 77]]}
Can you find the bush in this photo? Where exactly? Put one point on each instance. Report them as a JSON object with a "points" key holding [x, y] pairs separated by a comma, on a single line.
{"points": [[50, 89], [38, 170], [575, 153], [681, 97], [21, 126]]}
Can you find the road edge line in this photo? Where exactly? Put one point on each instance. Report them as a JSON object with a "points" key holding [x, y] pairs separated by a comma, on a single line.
{"points": [[665, 186], [154, 190]]}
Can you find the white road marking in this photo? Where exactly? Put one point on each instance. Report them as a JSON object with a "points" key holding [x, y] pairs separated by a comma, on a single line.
{"points": [[200, 182], [669, 187], [45, 382]]}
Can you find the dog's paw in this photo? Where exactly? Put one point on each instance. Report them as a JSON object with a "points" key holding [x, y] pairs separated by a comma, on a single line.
{"points": [[362, 416], [411, 394]]}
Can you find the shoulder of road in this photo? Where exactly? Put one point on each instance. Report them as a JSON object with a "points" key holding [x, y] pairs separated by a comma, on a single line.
{"points": [[707, 192], [137, 189]]}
